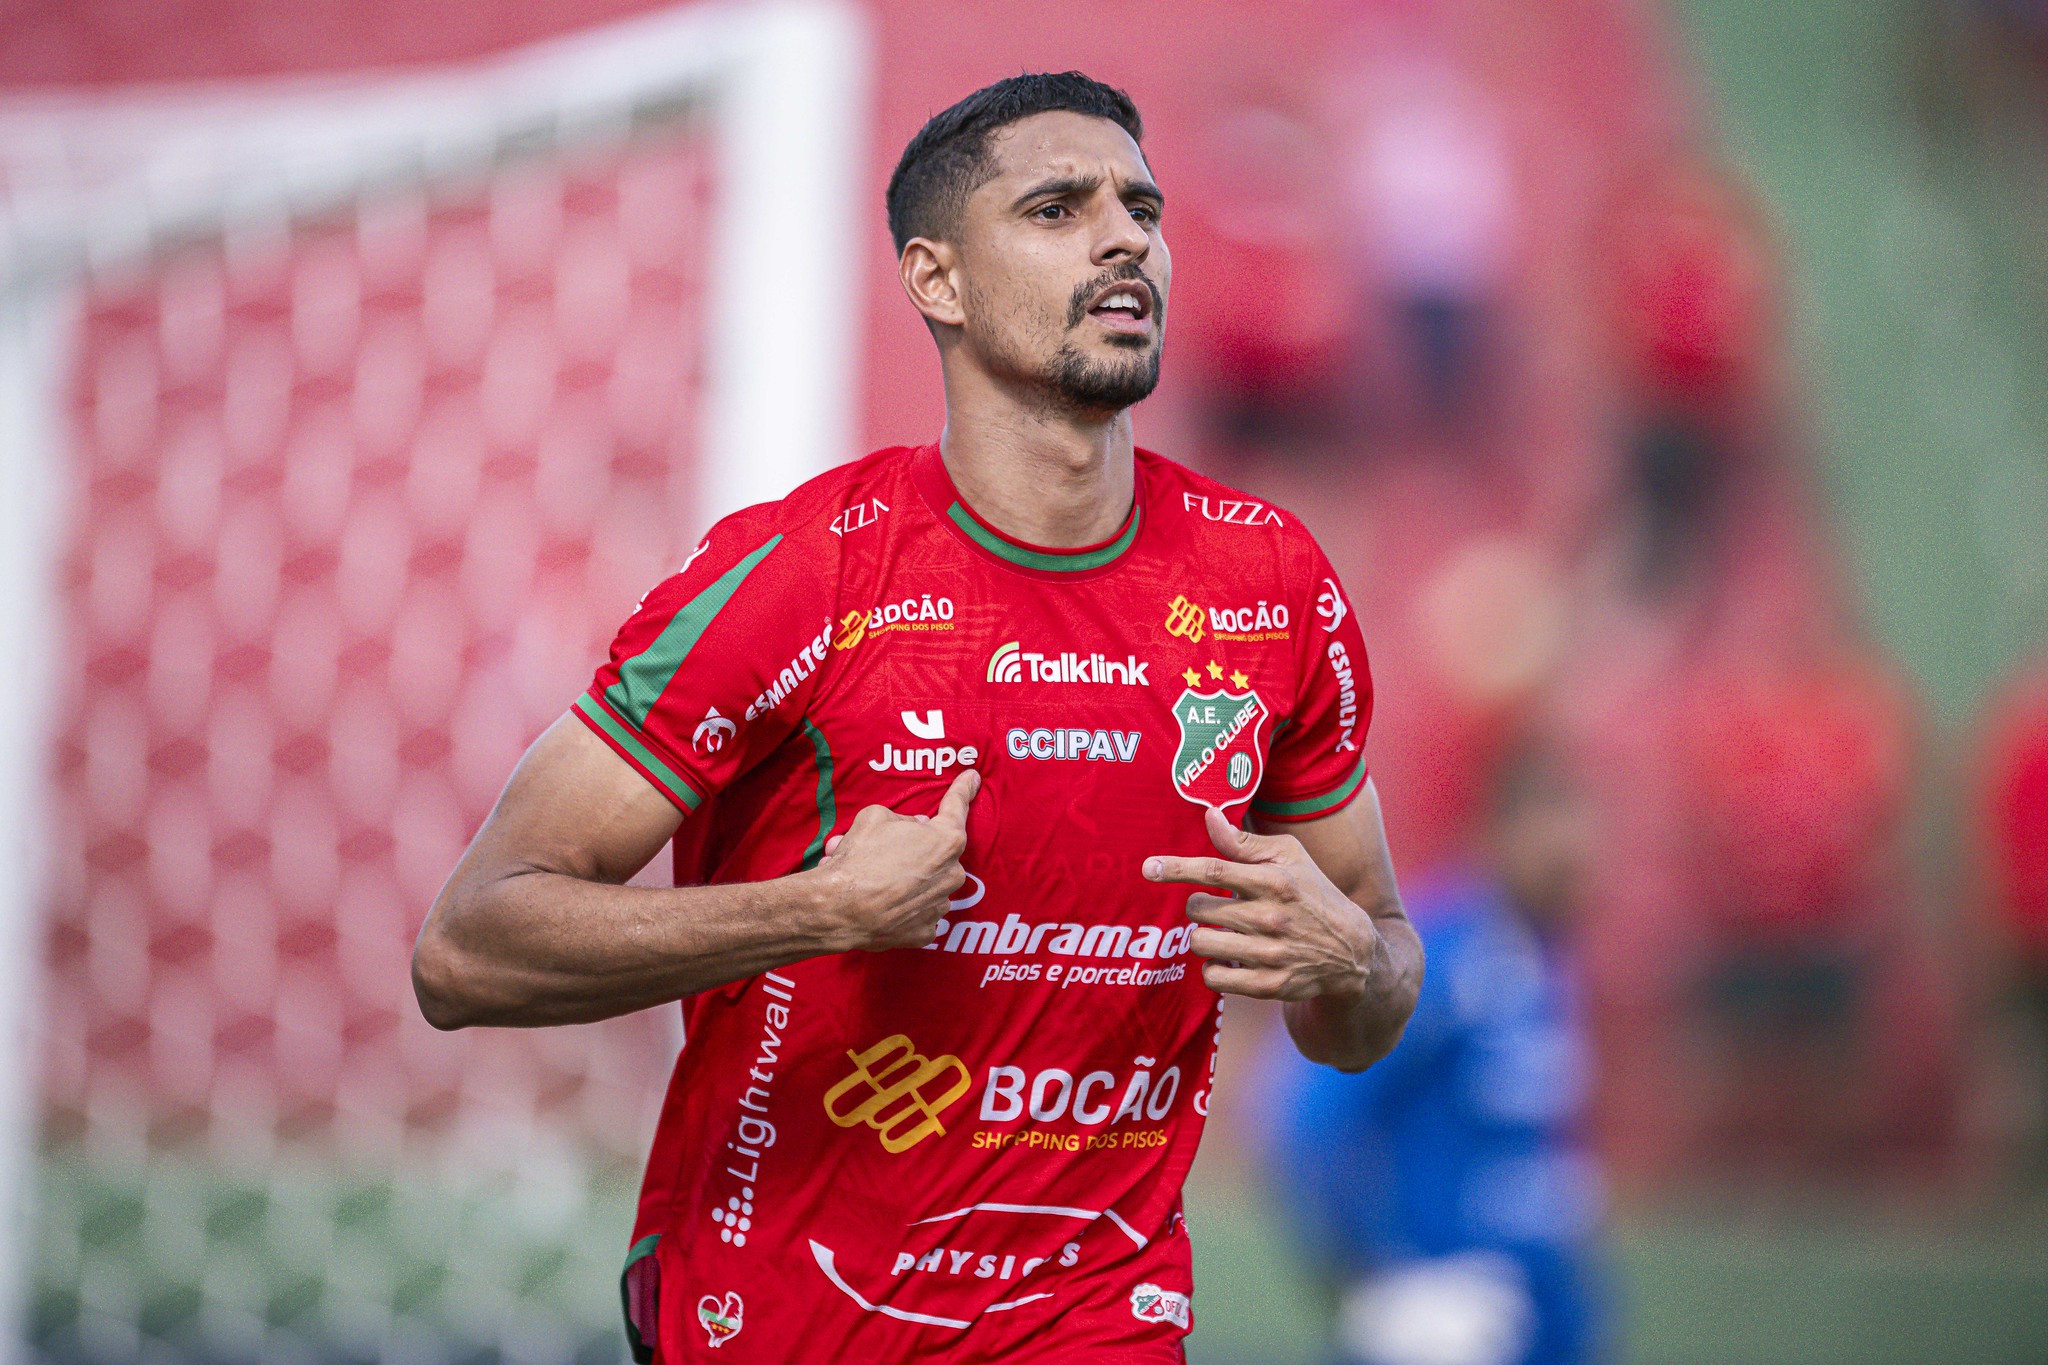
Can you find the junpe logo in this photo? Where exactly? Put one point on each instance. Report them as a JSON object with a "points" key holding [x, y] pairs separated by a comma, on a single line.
{"points": [[930, 725]]}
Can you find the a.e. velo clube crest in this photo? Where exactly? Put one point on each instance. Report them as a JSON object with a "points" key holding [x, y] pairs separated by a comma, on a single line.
{"points": [[1220, 761]]}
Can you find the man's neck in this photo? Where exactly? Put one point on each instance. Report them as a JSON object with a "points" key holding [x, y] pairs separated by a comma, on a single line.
{"points": [[1043, 476]]}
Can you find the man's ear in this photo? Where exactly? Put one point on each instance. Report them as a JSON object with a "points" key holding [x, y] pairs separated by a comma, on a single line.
{"points": [[930, 274]]}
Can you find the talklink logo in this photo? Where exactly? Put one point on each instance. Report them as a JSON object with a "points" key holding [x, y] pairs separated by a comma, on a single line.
{"points": [[1013, 664]]}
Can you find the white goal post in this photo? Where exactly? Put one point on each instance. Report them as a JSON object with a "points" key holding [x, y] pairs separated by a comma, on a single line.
{"points": [[92, 183]]}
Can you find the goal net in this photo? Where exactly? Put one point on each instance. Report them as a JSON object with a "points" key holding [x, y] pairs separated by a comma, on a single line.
{"points": [[340, 423]]}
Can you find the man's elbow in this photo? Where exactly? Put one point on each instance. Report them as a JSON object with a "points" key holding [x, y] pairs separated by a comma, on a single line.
{"points": [[436, 990], [442, 983]]}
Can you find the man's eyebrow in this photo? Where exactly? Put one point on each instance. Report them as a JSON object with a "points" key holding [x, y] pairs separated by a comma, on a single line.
{"points": [[1062, 186], [1059, 187]]}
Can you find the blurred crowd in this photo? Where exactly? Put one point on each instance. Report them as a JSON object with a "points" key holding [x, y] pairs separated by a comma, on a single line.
{"points": [[1713, 906]]}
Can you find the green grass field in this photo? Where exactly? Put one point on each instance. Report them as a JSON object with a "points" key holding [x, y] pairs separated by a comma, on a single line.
{"points": [[1694, 1290], [348, 1264]]}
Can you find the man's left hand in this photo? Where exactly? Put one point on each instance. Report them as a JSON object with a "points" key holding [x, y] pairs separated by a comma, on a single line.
{"points": [[1286, 932]]}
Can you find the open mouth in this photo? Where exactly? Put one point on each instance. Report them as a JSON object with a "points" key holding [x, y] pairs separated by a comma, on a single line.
{"points": [[1125, 306]]}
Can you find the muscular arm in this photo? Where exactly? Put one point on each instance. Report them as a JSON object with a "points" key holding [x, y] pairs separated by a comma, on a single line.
{"points": [[1313, 920], [534, 926]]}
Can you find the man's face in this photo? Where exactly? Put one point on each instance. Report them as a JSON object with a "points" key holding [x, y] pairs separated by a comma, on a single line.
{"points": [[1065, 273]]}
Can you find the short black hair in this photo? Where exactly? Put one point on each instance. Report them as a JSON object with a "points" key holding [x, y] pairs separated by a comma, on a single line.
{"points": [[949, 158]]}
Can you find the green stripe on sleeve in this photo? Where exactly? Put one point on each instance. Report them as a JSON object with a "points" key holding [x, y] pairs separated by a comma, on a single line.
{"points": [[641, 1350], [828, 806], [1058, 562], [644, 1247], [645, 676], [1315, 805], [630, 740]]}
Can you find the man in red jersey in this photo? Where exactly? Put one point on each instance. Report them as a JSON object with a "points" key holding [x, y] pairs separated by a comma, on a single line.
{"points": [[943, 738]]}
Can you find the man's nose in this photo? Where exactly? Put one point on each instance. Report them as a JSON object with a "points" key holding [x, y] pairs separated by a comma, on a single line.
{"points": [[1122, 237]]}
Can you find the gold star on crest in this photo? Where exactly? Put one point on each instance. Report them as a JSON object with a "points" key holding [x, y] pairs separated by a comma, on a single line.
{"points": [[1215, 670], [1238, 679], [1192, 677]]}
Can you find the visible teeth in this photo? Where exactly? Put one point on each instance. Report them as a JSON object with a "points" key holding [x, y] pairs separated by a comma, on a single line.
{"points": [[1120, 301]]}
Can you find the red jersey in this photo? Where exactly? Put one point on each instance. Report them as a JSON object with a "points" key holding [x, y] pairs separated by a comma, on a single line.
{"points": [[972, 1151]]}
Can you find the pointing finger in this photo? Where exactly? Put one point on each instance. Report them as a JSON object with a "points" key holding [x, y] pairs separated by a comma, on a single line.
{"points": [[953, 805], [1237, 950], [1228, 912], [1244, 878], [1263, 983]]}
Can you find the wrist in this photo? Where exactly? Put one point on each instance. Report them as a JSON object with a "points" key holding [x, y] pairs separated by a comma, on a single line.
{"points": [[823, 923], [1368, 956]]}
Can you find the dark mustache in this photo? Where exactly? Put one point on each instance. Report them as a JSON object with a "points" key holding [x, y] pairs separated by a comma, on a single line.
{"points": [[1121, 274]]}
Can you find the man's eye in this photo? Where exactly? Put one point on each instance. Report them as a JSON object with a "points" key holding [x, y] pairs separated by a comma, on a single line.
{"points": [[1050, 212], [1144, 213]]}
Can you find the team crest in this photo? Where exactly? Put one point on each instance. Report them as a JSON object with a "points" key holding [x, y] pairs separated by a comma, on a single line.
{"points": [[1220, 761], [1150, 1303]]}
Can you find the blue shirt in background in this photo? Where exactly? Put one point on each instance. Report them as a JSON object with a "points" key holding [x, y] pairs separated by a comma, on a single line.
{"points": [[1469, 1135]]}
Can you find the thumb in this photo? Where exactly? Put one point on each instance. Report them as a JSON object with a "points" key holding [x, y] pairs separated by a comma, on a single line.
{"points": [[953, 805], [1238, 845]]}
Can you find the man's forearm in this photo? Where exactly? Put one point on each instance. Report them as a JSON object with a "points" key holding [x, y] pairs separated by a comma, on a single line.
{"points": [[1351, 1031], [535, 948]]}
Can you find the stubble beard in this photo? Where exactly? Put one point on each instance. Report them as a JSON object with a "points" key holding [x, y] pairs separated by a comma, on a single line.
{"points": [[1087, 385], [1078, 383]]}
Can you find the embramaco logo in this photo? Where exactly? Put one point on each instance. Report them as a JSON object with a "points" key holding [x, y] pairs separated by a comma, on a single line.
{"points": [[1012, 663], [1014, 939], [1015, 936]]}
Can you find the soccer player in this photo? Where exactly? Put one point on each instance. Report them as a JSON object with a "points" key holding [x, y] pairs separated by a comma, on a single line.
{"points": [[943, 738]]}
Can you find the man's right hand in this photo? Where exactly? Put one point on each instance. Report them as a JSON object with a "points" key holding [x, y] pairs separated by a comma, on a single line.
{"points": [[886, 880]]}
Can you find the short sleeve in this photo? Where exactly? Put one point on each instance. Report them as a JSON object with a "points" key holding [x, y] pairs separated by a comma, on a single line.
{"points": [[1317, 763], [715, 667]]}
